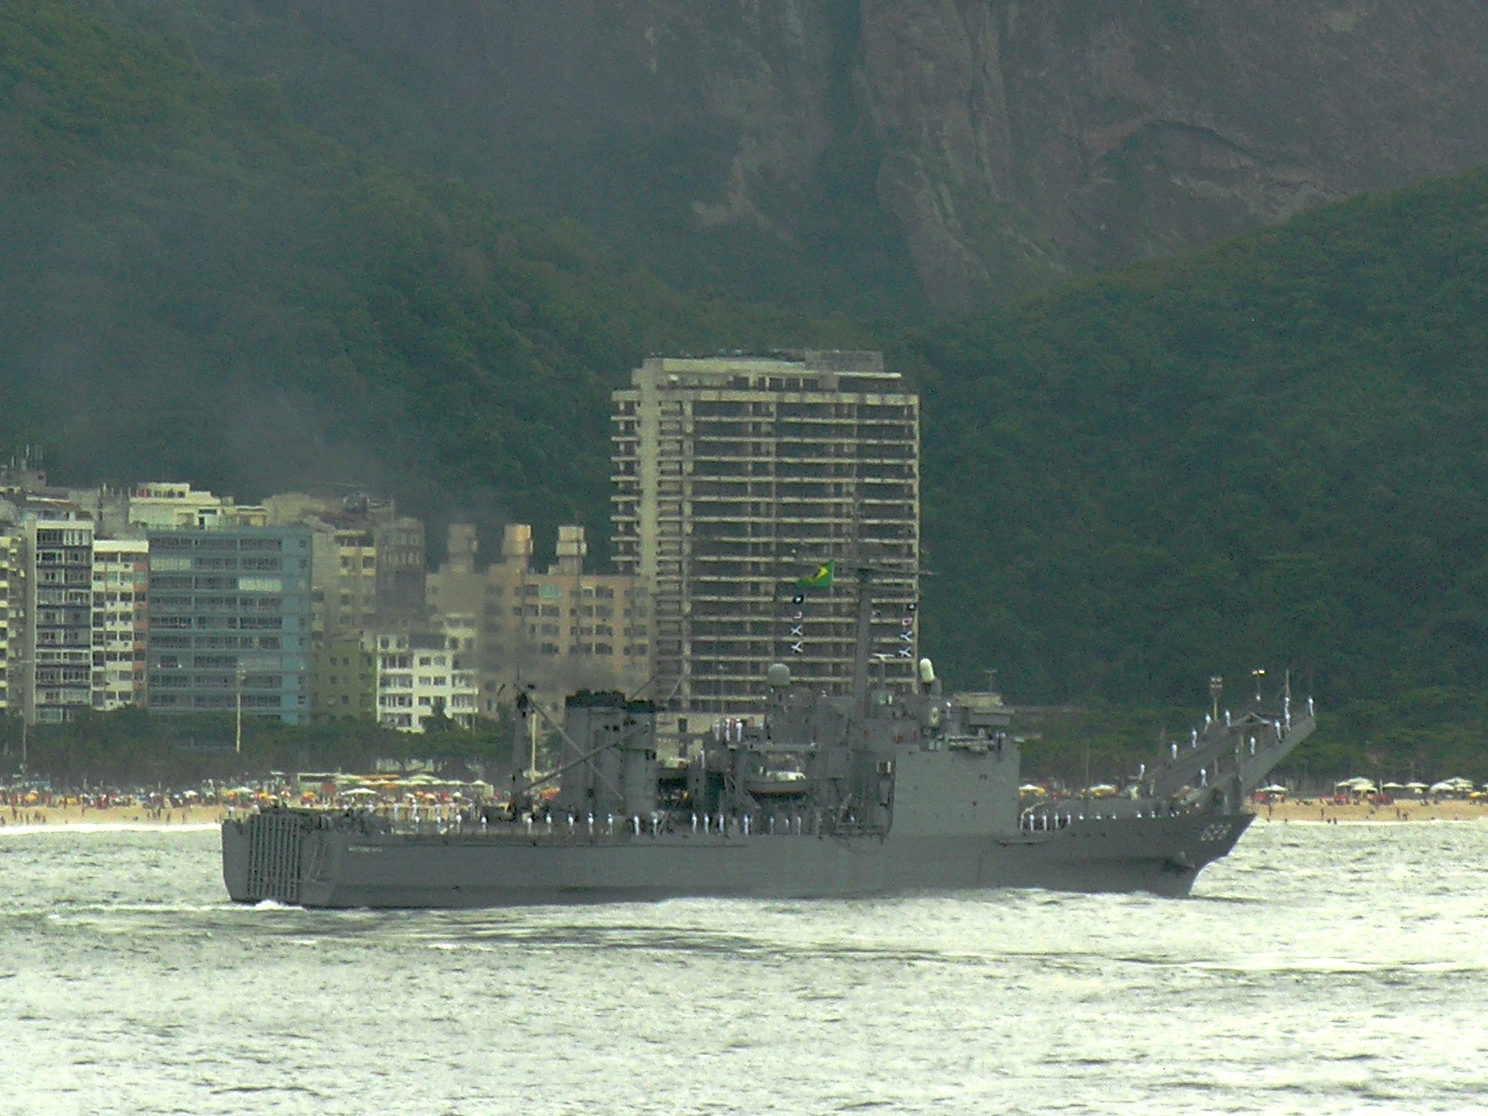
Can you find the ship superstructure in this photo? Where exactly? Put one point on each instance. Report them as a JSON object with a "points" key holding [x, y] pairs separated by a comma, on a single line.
{"points": [[879, 792]]}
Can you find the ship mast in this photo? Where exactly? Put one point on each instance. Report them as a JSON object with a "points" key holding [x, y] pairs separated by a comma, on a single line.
{"points": [[864, 646]]}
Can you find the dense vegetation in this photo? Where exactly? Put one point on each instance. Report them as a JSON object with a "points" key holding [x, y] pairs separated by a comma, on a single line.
{"points": [[1268, 455], [131, 747], [194, 286], [399, 80]]}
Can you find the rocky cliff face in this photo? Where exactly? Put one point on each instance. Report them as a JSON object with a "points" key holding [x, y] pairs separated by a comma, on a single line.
{"points": [[990, 144], [1019, 138]]}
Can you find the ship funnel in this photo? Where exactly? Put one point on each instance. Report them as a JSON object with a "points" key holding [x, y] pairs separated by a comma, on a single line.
{"points": [[927, 672], [778, 676]]}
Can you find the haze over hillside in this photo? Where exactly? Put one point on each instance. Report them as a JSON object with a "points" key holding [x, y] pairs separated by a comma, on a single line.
{"points": [[194, 286], [878, 156]]}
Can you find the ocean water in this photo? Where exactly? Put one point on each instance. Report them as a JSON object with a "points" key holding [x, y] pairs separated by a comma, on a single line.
{"points": [[1319, 969]]}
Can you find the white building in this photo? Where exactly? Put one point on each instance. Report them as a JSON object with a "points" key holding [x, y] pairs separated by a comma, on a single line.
{"points": [[175, 504], [121, 579], [425, 675]]}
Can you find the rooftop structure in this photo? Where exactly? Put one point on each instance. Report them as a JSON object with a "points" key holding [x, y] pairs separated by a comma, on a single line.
{"points": [[161, 505]]}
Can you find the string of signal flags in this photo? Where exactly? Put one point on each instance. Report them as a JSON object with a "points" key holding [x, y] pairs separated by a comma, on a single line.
{"points": [[823, 578]]}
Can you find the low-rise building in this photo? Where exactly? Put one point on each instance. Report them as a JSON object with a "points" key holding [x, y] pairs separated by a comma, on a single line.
{"points": [[427, 676]]}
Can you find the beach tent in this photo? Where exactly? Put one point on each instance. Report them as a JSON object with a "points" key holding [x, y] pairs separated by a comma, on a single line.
{"points": [[1454, 786]]}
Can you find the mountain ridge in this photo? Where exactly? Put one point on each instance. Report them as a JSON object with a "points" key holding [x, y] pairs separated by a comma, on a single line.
{"points": [[878, 157]]}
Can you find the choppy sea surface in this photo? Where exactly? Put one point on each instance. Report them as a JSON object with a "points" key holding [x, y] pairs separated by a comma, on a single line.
{"points": [[1319, 969]]}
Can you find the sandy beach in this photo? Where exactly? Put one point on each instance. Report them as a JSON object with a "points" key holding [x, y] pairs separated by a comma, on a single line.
{"points": [[1311, 810], [35, 817]]}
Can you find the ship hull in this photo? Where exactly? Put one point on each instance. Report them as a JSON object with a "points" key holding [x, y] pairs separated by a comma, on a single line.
{"points": [[316, 861]]}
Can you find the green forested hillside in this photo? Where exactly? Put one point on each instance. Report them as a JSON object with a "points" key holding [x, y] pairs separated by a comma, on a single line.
{"points": [[193, 286], [1273, 454], [487, 93]]}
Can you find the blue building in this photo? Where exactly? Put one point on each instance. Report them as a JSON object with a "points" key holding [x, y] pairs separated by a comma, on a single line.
{"points": [[230, 617]]}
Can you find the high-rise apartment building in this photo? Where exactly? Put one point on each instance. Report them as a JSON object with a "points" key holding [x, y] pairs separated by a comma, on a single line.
{"points": [[230, 617], [12, 618], [57, 655], [121, 583], [736, 478]]}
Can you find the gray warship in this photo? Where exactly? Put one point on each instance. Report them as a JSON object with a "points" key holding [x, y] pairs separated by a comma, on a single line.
{"points": [[883, 792]]}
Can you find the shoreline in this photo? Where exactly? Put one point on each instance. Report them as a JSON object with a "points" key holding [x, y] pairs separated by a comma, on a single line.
{"points": [[35, 818], [1404, 810]]}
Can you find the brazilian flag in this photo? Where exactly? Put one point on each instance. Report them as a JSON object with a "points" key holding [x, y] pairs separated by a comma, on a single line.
{"points": [[822, 579]]}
